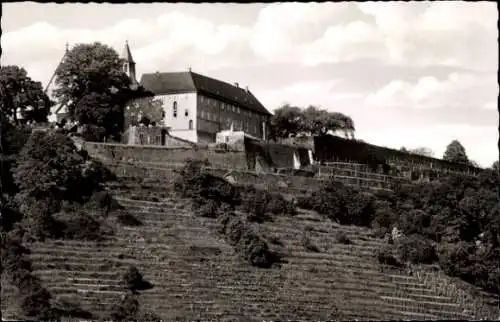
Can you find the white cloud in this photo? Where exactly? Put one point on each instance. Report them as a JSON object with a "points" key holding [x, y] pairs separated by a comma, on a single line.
{"points": [[439, 32], [458, 90]]}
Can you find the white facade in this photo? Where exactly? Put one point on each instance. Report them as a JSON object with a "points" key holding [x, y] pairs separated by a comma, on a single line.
{"points": [[180, 115]]}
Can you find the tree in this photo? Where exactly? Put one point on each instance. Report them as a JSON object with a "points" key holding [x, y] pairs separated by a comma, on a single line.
{"points": [[22, 99], [455, 152], [289, 121], [149, 108], [495, 166], [48, 166], [423, 151], [91, 82]]}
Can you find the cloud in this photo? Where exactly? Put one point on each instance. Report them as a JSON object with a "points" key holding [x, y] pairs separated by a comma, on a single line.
{"points": [[441, 32], [459, 90]]}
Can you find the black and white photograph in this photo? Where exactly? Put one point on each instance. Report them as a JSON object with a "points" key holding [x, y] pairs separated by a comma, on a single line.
{"points": [[273, 161]]}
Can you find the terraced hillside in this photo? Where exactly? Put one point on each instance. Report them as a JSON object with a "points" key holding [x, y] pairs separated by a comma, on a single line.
{"points": [[197, 275]]}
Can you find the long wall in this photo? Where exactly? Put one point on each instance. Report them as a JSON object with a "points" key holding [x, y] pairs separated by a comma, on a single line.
{"points": [[121, 152]]}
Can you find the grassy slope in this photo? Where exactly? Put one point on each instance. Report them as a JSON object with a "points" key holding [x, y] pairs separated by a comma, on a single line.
{"points": [[197, 275]]}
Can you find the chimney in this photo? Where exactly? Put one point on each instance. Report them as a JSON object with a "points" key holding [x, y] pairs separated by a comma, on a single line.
{"points": [[237, 85], [246, 89], [189, 69]]}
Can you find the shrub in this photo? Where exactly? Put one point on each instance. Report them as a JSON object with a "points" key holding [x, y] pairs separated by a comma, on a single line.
{"points": [[207, 208], [134, 281], [248, 242], [386, 256], [416, 249], [35, 301], [127, 219], [126, 310], [309, 245], [342, 238], [132, 278], [78, 226], [384, 219]]}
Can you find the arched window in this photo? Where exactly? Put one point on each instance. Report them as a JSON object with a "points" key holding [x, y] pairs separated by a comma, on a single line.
{"points": [[190, 124], [175, 108]]}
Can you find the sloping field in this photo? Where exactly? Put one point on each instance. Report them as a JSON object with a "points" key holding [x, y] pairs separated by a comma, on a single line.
{"points": [[197, 275]]}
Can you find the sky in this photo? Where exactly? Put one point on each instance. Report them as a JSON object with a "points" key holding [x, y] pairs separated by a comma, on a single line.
{"points": [[413, 74]]}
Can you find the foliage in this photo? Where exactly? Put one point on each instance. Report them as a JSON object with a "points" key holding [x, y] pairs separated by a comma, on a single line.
{"points": [[260, 205], [343, 204], [248, 242], [290, 121], [149, 108], [416, 249], [126, 310], [386, 256], [455, 152], [48, 166], [127, 219], [21, 96], [92, 83], [342, 238], [132, 278], [78, 226], [35, 300], [495, 166]]}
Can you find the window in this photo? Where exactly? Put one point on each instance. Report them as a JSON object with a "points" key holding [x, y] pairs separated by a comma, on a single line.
{"points": [[222, 106], [201, 98], [190, 124], [232, 107], [186, 113], [202, 114], [238, 110], [175, 108]]}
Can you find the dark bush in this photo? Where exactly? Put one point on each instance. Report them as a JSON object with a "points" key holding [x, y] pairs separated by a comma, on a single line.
{"points": [[386, 256], [35, 301], [132, 278], [127, 219], [416, 249], [342, 238], [126, 310], [78, 226], [385, 219], [248, 242], [72, 308], [207, 208], [309, 245]]}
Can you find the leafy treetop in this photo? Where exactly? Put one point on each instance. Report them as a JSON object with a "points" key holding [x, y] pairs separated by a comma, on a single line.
{"points": [[94, 87], [290, 121], [22, 99], [455, 152]]}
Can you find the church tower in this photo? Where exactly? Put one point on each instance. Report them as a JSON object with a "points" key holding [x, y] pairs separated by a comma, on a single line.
{"points": [[129, 64]]}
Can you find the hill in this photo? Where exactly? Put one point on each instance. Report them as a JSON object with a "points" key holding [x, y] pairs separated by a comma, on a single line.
{"points": [[328, 271]]}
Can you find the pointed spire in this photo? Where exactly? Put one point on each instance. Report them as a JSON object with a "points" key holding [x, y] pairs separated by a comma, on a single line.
{"points": [[126, 54]]}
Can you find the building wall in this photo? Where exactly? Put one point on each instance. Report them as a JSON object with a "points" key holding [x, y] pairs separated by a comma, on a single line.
{"points": [[181, 121], [214, 115]]}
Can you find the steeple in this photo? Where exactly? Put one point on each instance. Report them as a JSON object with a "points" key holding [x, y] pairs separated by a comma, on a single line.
{"points": [[129, 64]]}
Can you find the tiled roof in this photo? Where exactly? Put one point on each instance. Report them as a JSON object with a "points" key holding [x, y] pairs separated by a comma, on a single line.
{"points": [[185, 82]]}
